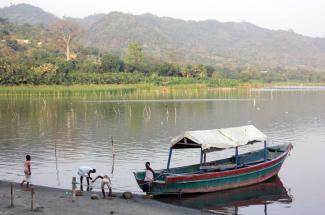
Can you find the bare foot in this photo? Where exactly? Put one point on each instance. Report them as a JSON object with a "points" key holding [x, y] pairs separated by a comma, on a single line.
{"points": [[148, 196]]}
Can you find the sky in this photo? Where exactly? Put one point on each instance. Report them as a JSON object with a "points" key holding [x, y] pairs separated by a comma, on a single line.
{"points": [[306, 17]]}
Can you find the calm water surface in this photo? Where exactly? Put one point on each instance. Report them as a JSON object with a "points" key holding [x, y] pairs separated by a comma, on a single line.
{"points": [[63, 131]]}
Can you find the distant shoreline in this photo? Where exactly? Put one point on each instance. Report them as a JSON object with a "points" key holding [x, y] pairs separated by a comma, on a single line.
{"points": [[108, 87]]}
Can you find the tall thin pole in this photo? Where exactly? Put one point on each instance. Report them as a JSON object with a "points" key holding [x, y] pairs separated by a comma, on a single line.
{"points": [[74, 186], [169, 157], [113, 155], [32, 201], [56, 164], [12, 195]]}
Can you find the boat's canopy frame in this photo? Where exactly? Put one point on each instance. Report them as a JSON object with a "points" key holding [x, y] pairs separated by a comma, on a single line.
{"points": [[218, 139]]}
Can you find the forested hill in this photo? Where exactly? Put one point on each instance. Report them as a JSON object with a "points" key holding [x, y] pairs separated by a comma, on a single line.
{"points": [[208, 42], [27, 14]]}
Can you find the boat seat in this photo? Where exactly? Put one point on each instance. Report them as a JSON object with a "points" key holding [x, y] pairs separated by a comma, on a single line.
{"points": [[275, 150], [220, 167], [253, 162], [177, 174]]}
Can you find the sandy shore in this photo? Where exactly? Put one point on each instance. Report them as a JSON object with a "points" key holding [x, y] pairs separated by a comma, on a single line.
{"points": [[58, 201]]}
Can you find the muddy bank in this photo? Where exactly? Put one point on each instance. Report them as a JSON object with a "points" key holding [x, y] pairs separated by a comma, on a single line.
{"points": [[58, 201]]}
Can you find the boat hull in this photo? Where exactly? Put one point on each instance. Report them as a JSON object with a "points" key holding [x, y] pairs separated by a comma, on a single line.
{"points": [[216, 181]]}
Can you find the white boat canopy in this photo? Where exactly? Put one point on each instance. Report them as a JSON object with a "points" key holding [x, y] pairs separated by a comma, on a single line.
{"points": [[218, 139]]}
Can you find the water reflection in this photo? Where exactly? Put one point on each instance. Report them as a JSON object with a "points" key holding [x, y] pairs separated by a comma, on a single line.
{"points": [[231, 201]]}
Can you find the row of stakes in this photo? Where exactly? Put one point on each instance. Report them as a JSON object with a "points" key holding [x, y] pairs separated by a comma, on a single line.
{"points": [[32, 193], [12, 195]]}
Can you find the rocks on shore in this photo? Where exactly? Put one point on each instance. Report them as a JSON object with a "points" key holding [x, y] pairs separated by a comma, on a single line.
{"points": [[127, 195], [94, 196], [79, 193]]}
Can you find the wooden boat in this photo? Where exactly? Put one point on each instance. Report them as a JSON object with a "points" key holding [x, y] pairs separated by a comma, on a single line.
{"points": [[236, 171]]}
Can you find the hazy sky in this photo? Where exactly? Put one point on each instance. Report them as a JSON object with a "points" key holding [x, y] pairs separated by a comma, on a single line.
{"points": [[303, 16]]}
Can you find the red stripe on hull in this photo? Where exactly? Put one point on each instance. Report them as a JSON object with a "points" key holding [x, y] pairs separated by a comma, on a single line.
{"points": [[232, 186], [173, 179]]}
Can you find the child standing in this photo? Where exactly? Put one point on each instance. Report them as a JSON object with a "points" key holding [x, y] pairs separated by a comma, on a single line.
{"points": [[27, 171]]}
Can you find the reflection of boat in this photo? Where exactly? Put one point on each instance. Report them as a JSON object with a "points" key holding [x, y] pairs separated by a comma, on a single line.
{"points": [[237, 171], [228, 201]]}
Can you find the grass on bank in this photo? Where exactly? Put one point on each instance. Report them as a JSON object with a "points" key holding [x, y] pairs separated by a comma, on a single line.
{"points": [[157, 83]]}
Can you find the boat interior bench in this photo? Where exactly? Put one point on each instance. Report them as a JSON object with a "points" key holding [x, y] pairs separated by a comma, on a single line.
{"points": [[218, 167], [228, 166]]}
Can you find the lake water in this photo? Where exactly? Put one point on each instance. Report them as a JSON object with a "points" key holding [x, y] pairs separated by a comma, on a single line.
{"points": [[63, 131]]}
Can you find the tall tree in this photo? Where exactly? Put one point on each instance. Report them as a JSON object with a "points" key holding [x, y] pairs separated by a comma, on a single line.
{"points": [[66, 32], [134, 54], [111, 63], [201, 71], [188, 71]]}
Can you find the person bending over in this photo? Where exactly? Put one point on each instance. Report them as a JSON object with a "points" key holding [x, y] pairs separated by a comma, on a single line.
{"points": [[85, 171], [105, 181]]}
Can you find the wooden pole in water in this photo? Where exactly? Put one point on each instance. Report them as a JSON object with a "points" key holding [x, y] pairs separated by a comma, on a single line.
{"points": [[32, 200], [74, 186], [11, 195], [113, 155]]}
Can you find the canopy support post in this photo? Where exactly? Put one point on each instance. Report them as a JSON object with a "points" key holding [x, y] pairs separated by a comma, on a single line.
{"points": [[201, 159], [265, 151], [236, 157], [169, 157]]}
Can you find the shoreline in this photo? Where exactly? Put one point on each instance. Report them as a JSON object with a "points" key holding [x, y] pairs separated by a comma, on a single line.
{"points": [[149, 86], [49, 200]]}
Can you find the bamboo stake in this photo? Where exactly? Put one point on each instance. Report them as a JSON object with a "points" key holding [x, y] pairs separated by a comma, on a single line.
{"points": [[113, 155], [11, 195], [114, 110], [119, 112], [74, 186], [149, 112], [32, 200]]}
